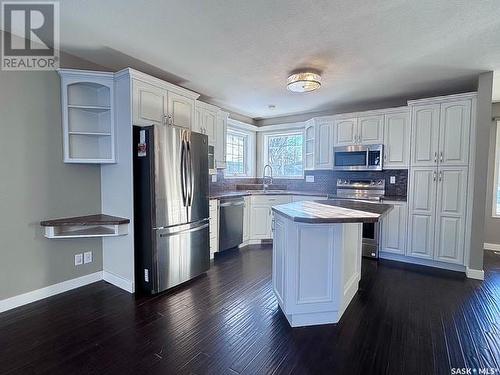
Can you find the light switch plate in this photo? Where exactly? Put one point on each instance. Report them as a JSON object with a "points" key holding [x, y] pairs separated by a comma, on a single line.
{"points": [[392, 179], [309, 178], [87, 257], [214, 178], [78, 259]]}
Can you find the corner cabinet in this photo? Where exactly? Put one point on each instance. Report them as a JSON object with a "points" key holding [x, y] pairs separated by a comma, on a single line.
{"points": [[88, 114], [319, 143]]}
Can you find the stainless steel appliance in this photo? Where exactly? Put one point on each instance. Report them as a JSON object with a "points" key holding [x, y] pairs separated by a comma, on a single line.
{"points": [[369, 190], [230, 223], [171, 206], [358, 158]]}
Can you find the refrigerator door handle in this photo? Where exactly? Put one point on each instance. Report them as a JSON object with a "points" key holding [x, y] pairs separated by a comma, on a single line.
{"points": [[191, 178], [183, 173]]}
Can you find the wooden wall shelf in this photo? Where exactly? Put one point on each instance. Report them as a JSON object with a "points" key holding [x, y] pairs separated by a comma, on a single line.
{"points": [[99, 225]]}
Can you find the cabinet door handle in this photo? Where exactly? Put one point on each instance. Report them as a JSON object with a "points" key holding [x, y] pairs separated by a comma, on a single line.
{"points": [[440, 176], [435, 156], [434, 176], [441, 156]]}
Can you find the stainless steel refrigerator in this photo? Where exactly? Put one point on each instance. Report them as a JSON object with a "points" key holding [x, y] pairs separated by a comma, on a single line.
{"points": [[171, 206]]}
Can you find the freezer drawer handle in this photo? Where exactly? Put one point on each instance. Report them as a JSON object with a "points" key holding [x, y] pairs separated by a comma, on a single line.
{"points": [[185, 230]]}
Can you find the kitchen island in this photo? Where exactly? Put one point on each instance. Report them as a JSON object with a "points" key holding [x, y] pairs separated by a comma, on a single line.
{"points": [[317, 257]]}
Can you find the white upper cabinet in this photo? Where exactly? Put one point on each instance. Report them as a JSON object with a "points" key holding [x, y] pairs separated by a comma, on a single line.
{"points": [[441, 133], [396, 140], [149, 104], [450, 214], [206, 120], [210, 125], [365, 129], [425, 135], [220, 139], [345, 132], [454, 133], [310, 147], [422, 207], [323, 144], [371, 129], [180, 110], [158, 102], [394, 229]]}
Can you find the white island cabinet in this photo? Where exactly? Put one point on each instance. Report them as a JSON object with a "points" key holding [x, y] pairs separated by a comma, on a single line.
{"points": [[317, 257]]}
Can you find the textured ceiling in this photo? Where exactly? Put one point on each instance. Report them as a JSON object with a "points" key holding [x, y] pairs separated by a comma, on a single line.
{"points": [[237, 54]]}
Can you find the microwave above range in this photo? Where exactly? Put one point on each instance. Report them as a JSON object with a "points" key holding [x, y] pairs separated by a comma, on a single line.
{"points": [[358, 158]]}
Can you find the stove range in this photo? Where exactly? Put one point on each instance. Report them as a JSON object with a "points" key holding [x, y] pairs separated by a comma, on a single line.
{"points": [[364, 190]]}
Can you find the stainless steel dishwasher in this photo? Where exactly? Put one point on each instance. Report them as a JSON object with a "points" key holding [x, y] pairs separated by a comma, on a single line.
{"points": [[230, 222]]}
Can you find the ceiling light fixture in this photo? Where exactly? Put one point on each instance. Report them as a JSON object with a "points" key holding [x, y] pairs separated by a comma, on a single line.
{"points": [[303, 82]]}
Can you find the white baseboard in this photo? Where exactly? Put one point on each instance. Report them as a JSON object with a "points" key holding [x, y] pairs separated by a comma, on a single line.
{"points": [[474, 274], [118, 281], [48, 291], [422, 262], [491, 246]]}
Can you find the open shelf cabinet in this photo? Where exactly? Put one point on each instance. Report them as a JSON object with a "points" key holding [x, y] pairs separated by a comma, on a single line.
{"points": [[88, 116]]}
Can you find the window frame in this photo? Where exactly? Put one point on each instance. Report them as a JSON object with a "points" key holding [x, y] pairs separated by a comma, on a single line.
{"points": [[284, 133], [246, 167], [496, 174]]}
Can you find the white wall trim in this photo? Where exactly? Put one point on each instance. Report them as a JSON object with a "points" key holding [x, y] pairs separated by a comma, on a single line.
{"points": [[48, 291], [474, 274], [491, 246], [290, 126], [241, 125], [422, 262], [118, 281]]}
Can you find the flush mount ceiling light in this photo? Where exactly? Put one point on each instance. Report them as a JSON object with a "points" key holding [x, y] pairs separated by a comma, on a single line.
{"points": [[303, 82]]}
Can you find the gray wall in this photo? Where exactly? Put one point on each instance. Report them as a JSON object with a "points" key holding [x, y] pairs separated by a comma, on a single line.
{"points": [[483, 125], [491, 224], [35, 184]]}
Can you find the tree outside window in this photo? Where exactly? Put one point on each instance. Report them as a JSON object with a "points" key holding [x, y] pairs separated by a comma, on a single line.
{"points": [[285, 154], [236, 145]]}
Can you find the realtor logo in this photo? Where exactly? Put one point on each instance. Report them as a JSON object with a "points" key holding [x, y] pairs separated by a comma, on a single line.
{"points": [[30, 35]]}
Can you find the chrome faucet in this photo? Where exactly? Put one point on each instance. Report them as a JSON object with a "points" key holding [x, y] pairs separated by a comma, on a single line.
{"points": [[268, 178]]}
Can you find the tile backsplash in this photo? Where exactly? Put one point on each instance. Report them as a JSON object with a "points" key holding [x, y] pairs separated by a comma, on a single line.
{"points": [[324, 181]]}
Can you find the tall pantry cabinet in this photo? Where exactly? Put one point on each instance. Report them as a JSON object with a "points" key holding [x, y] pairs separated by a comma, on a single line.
{"points": [[439, 176]]}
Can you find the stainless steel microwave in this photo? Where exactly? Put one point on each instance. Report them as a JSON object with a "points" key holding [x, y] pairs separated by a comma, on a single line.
{"points": [[358, 158]]}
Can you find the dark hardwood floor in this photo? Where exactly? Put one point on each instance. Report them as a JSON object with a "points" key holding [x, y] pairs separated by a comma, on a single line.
{"points": [[404, 320]]}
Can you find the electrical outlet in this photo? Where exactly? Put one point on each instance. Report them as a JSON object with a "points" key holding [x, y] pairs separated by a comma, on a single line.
{"points": [[309, 178], [392, 179], [78, 259], [214, 178], [87, 257]]}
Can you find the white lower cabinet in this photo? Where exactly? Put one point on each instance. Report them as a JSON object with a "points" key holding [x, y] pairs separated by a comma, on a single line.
{"points": [[214, 226], [246, 220], [450, 214], [393, 229], [437, 209], [261, 214]]}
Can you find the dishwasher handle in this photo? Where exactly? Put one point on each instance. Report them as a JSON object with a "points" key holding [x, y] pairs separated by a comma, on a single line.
{"points": [[231, 204]]}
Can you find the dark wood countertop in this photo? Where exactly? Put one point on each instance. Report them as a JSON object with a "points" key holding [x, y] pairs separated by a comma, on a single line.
{"points": [[333, 211], [99, 219]]}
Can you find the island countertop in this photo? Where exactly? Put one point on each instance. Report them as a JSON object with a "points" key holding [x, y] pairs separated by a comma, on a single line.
{"points": [[333, 211]]}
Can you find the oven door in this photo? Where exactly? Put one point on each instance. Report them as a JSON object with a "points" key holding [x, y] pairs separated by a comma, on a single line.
{"points": [[370, 240]]}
